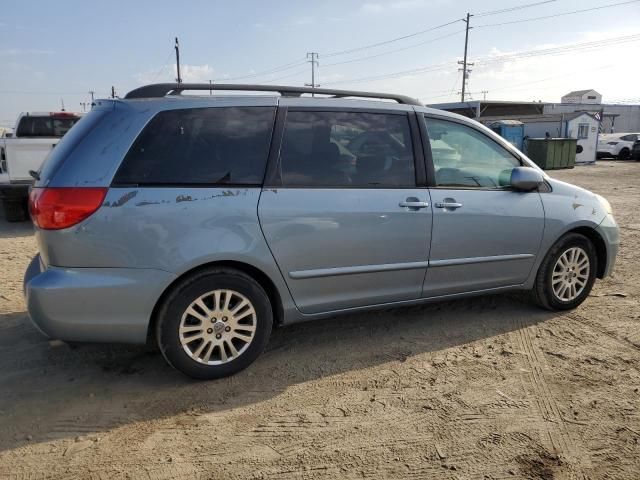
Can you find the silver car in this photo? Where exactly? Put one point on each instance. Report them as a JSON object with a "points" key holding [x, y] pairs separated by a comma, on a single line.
{"points": [[201, 222]]}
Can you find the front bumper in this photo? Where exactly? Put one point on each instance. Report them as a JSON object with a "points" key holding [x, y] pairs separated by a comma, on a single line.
{"points": [[610, 233], [93, 304]]}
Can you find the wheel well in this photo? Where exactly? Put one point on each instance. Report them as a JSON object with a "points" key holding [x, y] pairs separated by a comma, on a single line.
{"points": [[598, 243], [255, 273]]}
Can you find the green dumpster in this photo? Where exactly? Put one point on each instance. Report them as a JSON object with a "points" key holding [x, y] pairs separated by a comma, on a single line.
{"points": [[552, 153]]}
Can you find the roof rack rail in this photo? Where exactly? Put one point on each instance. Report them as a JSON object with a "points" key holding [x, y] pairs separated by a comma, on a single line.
{"points": [[159, 90]]}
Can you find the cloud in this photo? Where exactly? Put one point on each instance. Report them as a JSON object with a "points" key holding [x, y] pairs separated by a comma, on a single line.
{"points": [[15, 52], [394, 5]]}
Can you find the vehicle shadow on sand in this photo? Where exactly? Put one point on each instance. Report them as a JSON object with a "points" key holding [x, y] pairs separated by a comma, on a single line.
{"points": [[16, 229], [53, 391]]}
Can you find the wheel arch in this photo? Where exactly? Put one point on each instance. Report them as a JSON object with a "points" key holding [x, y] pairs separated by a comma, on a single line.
{"points": [[258, 275], [597, 241]]}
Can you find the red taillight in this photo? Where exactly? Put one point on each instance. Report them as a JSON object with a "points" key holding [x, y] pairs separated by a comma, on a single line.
{"points": [[56, 208]]}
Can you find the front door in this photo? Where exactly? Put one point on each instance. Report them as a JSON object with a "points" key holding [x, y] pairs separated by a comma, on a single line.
{"points": [[346, 221], [485, 234]]}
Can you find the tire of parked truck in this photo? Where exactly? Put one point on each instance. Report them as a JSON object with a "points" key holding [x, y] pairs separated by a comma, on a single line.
{"points": [[624, 154], [214, 323], [567, 273], [14, 210]]}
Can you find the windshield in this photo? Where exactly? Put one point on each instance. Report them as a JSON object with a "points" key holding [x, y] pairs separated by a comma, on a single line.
{"points": [[41, 126]]}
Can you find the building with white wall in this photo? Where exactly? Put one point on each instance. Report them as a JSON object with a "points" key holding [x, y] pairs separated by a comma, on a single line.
{"points": [[582, 96]]}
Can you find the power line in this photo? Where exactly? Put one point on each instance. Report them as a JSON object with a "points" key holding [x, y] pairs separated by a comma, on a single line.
{"points": [[503, 58], [404, 37], [296, 73], [557, 14], [511, 9], [560, 50], [278, 69], [385, 42], [361, 59], [164, 65]]}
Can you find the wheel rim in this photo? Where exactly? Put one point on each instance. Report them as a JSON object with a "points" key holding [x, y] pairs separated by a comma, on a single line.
{"points": [[570, 274], [218, 327]]}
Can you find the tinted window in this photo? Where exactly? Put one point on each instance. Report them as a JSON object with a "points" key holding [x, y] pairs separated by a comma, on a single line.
{"points": [[40, 126], [205, 146], [341, 149], [628, 138], [464, 157]]}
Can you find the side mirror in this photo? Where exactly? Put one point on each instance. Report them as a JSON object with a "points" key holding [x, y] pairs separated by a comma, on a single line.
{"points": [[526, 179]]}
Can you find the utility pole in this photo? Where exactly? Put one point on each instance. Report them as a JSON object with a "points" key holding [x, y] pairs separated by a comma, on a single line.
{"points": [[177, 47], [314, 62], [465, 74], [62, 104], [113, 92], [92, 92], [210, 90], [84, 106], [484, 94]]}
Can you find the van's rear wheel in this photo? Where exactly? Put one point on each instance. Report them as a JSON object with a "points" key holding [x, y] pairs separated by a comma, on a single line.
{"points": [[214, 324], [567, 273]]}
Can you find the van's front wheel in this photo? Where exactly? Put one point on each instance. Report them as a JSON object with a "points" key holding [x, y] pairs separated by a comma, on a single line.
{"points": [[214, 324], [567, 273]]}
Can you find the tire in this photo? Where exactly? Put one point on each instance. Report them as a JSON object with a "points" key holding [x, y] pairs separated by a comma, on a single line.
{"points": [[215, 328], [545, 294], [14, 210], [624, 154]]}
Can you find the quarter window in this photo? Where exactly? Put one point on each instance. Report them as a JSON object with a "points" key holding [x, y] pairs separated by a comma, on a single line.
{"points": [[347, 149], [201, 146], [464, 157]]}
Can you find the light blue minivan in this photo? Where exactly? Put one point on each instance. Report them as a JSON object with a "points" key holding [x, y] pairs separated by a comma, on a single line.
{"points": [[200, 222]]}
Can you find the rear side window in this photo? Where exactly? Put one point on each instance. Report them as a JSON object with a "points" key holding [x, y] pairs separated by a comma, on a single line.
{"points": [[201, 146], [67, 144], [347, 149], [40, 126]]}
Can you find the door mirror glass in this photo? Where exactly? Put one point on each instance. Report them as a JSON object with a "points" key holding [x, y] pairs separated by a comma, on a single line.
{"points": [[526, 178]]}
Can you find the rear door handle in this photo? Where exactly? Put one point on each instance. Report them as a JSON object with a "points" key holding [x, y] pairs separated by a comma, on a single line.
{"points": [[452, 205], [416, 205]]}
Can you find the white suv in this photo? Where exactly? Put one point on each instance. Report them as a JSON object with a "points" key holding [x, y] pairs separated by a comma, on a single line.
{"points": [[616, 145]]}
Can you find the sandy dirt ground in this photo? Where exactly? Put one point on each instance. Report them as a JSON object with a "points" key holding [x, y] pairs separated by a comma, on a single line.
{"points": [[481, 388]]}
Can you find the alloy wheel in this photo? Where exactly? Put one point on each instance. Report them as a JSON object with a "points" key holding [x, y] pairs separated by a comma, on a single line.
{"points": [[570, 274], [218, 327]]}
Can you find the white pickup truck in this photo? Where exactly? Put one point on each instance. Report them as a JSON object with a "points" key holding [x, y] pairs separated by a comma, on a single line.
{"points": [[34, 136]]}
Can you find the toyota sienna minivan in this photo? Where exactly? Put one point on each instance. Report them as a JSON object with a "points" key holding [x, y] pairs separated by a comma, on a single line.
{"points": [[201, 222]]}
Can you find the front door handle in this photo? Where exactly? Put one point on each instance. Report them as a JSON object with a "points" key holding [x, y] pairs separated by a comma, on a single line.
{"points": [[414, 204], [448, 205]]}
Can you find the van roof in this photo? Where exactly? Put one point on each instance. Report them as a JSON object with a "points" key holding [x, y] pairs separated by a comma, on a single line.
{"points": [[159, 90]]}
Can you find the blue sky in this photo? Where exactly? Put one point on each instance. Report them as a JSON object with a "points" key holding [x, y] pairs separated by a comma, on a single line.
{"points": [[53, 50]]}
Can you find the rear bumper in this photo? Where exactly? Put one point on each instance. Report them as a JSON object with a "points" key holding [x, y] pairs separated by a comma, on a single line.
{"points": [[610, 232], [93, 304]]}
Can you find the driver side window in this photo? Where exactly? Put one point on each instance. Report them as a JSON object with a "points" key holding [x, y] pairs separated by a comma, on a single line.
{"points": [[464, 157]]}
